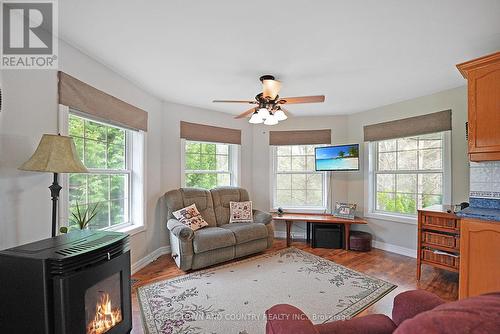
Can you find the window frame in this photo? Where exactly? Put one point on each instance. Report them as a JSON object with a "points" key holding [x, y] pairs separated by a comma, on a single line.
{"points": [[135, 150], [273, 189], [233, 163], [371, 154]]}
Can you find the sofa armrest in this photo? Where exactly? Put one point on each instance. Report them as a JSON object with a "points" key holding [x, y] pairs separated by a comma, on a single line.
{"points": [[180, 230], [287, 319], [373, 324], [262, 217], [408, 304]]}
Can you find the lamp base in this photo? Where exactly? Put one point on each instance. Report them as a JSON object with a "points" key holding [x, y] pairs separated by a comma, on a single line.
{"points": [[55, 189]]}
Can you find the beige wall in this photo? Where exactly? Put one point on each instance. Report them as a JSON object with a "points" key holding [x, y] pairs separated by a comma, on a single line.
{"points": [[262, 158], [350, 186], [170, 152], [30, 109], [401, 234]]}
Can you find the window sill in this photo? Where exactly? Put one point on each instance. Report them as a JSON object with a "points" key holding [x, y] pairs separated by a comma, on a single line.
{"points": [[129, 229], [392, 218]]}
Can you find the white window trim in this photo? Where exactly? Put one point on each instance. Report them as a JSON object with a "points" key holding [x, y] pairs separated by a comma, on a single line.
{"points": [[369, 168], [234, 157], [296, 209], [137, 180]]}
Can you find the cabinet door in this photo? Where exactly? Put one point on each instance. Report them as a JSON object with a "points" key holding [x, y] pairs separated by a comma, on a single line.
{"points": [[484, 109], [479, 257]]}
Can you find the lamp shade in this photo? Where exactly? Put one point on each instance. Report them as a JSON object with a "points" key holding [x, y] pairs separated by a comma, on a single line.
{"points": [[280, 115], [263, 113], [271, 120], [256, 119], [55, 154], [270, 88]]}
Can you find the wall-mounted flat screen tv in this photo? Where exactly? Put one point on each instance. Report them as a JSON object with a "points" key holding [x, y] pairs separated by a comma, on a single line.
{"points": [[337, 158]]}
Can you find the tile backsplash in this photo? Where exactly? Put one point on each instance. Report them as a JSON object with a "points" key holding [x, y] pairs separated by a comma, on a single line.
{"points": [[485, 180]]}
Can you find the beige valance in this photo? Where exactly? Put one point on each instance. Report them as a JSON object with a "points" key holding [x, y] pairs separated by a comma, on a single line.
{"points": [[201, 132], [300, 137], [413, 126], [85, 98]]}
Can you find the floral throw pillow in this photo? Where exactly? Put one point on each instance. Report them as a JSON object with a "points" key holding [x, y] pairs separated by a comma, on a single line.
{"points": [[191, 217], [240, 212]]}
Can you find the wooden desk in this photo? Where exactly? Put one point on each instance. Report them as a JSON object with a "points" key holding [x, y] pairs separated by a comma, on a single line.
{"points": [[290, 218]]}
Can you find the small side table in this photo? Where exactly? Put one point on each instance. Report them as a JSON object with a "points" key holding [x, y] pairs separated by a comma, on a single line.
{"points": [[308, 218]]}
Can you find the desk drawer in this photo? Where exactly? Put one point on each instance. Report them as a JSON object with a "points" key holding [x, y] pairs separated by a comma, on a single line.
{"points": [[439, 257], [445, 240], [441, 223]]}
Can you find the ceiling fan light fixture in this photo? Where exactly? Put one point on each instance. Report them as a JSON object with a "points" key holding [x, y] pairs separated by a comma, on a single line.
{"points": [[268, 103], [271, 120], [280, 115], [263, 113], [255, 119]]}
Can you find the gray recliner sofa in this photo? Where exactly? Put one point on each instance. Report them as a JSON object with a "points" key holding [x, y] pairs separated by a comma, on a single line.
{"points": [[220, 241]]}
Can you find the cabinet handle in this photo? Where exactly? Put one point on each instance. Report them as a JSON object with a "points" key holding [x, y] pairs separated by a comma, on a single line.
{"points": [[444, 253]]}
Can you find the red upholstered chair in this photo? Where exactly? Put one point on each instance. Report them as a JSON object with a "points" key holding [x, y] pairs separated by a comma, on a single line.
{"points": [[414, 312]]}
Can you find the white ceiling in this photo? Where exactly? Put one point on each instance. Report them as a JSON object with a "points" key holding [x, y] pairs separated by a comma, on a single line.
{"points": [[360, 54]]}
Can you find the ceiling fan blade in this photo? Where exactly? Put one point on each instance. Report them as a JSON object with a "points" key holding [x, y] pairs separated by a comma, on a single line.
{"points": [[303, 99], [270, 88], [246, 113], [235, 101]]}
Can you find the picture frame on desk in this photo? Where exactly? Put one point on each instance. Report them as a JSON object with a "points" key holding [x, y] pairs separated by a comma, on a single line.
{"points": [[344, 210]]}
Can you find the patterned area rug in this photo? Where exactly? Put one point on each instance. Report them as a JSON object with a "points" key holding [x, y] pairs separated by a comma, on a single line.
{"points": [[232, 298]]}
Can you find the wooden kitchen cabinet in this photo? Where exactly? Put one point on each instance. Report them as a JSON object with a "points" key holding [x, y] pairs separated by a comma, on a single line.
{"points": [[483, 76], [479, 257]]}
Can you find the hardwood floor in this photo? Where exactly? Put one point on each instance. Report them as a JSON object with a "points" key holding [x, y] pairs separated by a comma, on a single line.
{"points": [[394, 268]]}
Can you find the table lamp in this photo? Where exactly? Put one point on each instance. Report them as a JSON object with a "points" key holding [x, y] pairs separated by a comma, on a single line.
{"points": [[55, 154]]}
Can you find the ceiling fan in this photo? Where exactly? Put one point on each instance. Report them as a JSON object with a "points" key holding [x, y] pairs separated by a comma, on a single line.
{"points": [[269, 105]]}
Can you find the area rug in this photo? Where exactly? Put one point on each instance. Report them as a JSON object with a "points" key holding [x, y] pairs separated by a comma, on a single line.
{"points": [[233, 298]]}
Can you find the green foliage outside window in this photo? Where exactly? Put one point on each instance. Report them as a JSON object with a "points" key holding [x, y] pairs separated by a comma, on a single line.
{"points": [[207, 165], [401, 203], [101, 148], [405, 203], [297, 182], [409, 173]]}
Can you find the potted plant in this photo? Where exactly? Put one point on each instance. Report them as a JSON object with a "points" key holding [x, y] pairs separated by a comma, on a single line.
{"points": [[80, 220]]}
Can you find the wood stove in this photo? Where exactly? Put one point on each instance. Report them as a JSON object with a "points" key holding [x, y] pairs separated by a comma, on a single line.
{"points": [[77, 283]]}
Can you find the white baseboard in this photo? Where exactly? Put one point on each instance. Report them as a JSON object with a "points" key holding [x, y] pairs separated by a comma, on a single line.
{"points": [[376, 244], [395, 249], [150, 258]]}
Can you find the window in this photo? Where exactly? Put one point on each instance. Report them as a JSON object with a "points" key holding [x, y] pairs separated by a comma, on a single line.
{"points": [[106, 151], [409, 173], [296, 184], [209, 165]]}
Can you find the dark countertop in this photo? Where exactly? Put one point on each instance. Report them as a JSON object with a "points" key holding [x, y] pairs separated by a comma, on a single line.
{"points": [[480, 213]]}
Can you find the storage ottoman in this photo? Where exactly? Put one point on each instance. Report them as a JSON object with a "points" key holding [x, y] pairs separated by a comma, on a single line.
{"points": [[360, 241]]}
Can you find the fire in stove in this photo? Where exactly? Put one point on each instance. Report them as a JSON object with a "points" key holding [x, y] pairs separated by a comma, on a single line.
{"points": [[106, 317]]}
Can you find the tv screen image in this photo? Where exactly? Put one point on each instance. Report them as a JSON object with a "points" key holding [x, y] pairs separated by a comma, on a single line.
{"points": [[337, 158]]}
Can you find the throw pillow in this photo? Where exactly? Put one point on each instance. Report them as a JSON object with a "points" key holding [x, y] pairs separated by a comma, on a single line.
{"points": [[240, 212], [191, 217]]}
